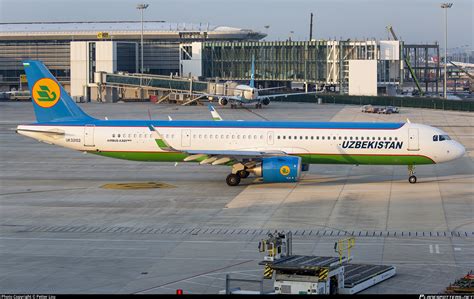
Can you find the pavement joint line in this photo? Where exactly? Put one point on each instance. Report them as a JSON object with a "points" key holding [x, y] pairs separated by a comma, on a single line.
{"points": [[302, 233]]}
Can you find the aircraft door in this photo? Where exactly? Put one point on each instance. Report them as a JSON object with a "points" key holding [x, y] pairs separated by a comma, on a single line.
{"points": [[89, 135], [185, 138], [270, 138], [413, 141]]}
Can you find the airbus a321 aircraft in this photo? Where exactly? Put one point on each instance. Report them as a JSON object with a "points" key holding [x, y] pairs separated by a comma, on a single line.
{"points": [[275, 151]]}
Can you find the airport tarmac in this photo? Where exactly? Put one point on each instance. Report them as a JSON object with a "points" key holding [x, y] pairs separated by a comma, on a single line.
{"points": [[61, 232]]}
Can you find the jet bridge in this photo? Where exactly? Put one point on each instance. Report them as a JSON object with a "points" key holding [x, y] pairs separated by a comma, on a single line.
{"points": [[166, 88]]}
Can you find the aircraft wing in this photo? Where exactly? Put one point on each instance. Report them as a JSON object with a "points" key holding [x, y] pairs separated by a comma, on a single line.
{"points": [[215, 157], [286, 94], [238, 153], [232, 156]]}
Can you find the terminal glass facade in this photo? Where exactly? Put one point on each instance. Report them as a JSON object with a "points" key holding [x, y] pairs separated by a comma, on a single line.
{"points": [[54, 54], [273, 60]]}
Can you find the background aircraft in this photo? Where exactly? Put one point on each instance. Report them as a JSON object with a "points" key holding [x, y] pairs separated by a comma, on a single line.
{"points": [[248, 94]]}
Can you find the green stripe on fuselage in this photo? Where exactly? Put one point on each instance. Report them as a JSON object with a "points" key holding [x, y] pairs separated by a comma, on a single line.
{"points": [[307, 158]]}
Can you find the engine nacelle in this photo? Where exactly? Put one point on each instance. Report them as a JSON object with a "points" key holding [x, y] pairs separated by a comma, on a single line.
{"points": [[223, 101], [266, 101], [279, 169]]}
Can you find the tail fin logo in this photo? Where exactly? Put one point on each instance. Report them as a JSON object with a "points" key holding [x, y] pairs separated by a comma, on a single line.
{"points": [[46, 92]]}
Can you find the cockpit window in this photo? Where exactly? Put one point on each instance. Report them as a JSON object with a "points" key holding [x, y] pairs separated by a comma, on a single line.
{"points": [[441, 137], [444, 137]]}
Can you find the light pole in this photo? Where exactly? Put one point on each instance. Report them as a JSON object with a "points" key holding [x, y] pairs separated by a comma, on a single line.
{"points": [[141, 7], [445, 6]]}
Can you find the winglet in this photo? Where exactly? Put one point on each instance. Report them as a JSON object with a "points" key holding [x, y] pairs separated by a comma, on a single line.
{"points": [[408, 120], [169, 118], [160, 141], [215, 115]]}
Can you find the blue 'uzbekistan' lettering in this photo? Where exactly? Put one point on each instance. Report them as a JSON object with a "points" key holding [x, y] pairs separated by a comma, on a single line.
{"points": [[373, 144]]}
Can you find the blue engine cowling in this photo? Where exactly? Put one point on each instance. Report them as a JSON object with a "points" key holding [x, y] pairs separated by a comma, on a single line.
{"points": [[281, 169]]}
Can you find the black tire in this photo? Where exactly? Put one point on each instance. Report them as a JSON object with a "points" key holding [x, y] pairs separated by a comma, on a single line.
{"points": [[243, 174], [233, 179], [412, 179]]}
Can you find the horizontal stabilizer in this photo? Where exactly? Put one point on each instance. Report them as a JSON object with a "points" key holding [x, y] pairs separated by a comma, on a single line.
{"points": [[52, 131]]}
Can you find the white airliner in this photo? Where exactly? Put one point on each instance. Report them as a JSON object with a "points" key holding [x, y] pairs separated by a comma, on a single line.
{"points": [[275, 151], [248, 94]]}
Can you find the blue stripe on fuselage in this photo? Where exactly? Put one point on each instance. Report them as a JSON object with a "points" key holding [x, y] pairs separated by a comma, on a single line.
{"points": [[229, 124]]}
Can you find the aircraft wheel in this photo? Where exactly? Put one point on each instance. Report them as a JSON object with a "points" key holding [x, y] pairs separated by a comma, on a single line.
{"points": [[412, 179], [243, 174], [233, 179]]}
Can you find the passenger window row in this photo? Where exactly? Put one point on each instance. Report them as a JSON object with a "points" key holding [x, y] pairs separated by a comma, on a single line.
{"points": [[362, 138], [132, 135], [227, 136]]}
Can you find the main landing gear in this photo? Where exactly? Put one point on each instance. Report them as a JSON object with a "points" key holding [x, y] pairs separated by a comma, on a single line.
{"points": [[239, 171], [233, 179], [411, 173], [258, 106]]}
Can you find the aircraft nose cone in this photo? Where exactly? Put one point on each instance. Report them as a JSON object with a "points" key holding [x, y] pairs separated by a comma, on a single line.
{"points": [[460, 150]]}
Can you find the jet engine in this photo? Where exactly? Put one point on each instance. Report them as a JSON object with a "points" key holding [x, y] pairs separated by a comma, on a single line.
{"points": [[223, 101], [279, 169], [266, 101]]}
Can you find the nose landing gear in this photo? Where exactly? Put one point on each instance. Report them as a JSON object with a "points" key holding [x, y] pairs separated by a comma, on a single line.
{"points": [[411, 173]]}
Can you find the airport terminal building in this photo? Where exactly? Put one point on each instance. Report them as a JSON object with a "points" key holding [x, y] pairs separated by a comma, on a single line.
{"points": [[80, 53], [50, 42]]}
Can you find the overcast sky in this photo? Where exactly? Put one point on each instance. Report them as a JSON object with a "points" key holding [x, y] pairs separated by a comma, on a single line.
{"points": [[415, 21]]}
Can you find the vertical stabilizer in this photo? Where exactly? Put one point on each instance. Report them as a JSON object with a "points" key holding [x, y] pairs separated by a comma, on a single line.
{"points": [[252, 75], [50, 101]]}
